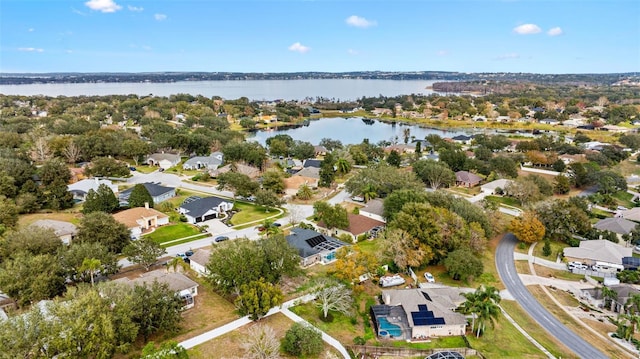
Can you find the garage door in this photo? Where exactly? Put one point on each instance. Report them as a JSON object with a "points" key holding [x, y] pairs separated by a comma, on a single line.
{"points": [[211, 216]]}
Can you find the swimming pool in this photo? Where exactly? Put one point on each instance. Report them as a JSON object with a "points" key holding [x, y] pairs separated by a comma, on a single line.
{"points": [[387, 328]]}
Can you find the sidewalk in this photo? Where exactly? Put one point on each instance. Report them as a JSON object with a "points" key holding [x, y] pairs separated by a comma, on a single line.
{"points": [[283, 308]]}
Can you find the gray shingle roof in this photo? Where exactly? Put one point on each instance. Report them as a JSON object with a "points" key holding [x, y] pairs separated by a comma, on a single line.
{"points": [[198, 206], [615, 225], [309, 242], [153, 188]]}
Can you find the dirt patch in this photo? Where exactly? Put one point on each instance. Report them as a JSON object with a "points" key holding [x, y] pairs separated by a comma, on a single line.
{"points": [[522, 267], [66, 216]]}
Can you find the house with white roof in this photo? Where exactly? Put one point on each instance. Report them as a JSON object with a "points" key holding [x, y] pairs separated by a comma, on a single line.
{"points": [[491, 187], [163, 160], [599, 250], [81, 188], [209, 163], [617, 225], [64, 230]]}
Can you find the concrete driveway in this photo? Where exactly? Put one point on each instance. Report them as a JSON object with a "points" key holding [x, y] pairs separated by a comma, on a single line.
{"points": [[215, 226]]}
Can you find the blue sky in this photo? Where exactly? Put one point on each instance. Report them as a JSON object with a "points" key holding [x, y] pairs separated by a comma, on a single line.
{"points": [[545, 36]]}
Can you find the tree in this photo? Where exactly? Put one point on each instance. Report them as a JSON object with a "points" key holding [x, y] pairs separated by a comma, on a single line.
{"points": [[26, 335], [561, 184], [91, 265], [333, 216], [302, 340], [99, 227], [29, 278], [384, 179], [333, 296], [273, 181], [404, 249], [101, 200], [168, 350], [463, 264], [351, 263], [261, 343], [434, 174], [257, 298], [156, 308], [504, 166], [331, 144], [546, 249], [522, 190], [267, 198], [57, 196], [610, 297], [33, 240], [302, 150], [527, 228], [54, 170], [135, 148], [73, 256], [562, 219], [304, 192], [240, 183], [140, 197], [144, 252], [394, 159], [107, 167], [343, 164], [483, 305]]}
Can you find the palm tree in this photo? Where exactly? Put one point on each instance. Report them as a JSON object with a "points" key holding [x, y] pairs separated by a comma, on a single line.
{"points": [[92, 265], [483, 304], [406, 133], [610, 296], [176, 262], [369, 192], [305, 192], [343, 166]]}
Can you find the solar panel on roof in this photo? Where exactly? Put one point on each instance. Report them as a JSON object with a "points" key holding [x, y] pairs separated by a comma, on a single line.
{"points": [[314, 241], [422, 307]]}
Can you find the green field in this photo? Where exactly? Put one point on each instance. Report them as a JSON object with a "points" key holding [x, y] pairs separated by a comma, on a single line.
{"points": [[249, 213], [173, 231]]}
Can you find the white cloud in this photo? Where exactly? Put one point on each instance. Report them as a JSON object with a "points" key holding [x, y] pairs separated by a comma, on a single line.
{"points": [[509, 56], [135, 8], [352, 52], [160, 17], [30, 49], [103, 5], [527, 29], [298, 47], [31, 30], [556, 31], [360, 22], [442, 53]]}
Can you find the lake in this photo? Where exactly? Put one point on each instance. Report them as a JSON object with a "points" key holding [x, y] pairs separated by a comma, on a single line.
{"points": [[353, 130], [338, 89]]}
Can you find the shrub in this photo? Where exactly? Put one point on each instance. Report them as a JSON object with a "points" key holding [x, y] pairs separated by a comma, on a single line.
{"points": [[302, 340]]}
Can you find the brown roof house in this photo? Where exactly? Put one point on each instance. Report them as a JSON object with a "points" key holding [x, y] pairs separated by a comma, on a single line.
{"points": [[177, 282], [418, 314], [467, 179], [358, 225], [141, 219], [64, 230]]}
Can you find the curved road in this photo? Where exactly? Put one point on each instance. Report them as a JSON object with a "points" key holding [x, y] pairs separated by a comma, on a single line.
{"points": [[507, 271]]}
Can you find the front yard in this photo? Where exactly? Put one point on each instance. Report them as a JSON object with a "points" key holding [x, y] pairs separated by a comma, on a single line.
{"points": [[173, 231], [248, 212]]}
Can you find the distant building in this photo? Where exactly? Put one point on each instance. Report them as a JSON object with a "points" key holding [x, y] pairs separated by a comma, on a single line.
{"points": [[158, 193]]}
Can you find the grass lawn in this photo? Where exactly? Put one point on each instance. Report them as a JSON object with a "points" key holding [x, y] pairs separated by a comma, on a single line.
{"points": [[248, 212], [560, 274], [504, 200], [603, 344], [522, 267], [173, 231], [66, 216], [556, 248], [230, 344], [146, 169], [175, 243], [623, 198]]}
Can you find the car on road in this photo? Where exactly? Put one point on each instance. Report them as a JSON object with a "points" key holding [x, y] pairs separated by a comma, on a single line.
{"points": [[276, 224], [220, 239], [189, 253], [429, 277]]}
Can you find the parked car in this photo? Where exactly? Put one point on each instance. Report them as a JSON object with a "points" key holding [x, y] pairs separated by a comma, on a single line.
{"points": [[132, 168], [429, 277], [183, 256], [357, 199], [220, 239], [577, 265], [276, 224], [189, 253]]}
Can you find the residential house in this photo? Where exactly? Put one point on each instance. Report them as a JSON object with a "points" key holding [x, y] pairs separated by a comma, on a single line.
{"points": [[462, 139], [401, 148], [309, 172], [419, 314], [615, 129], [64, 230], [81, 188], [617, 225], [594, 145], [374, 209], [320, 150], [158, 193], [594, 251], [198, 261], [179, 283], [210, 162], [312, 163], [314, 247], [163, 160], [492, 187], [358, 225], [632, 214], [569, 159], [292, 184], [141, 219], [467, 179], [381, 112], [198, 209], [549, 121], [252, 172], [624, 292]]}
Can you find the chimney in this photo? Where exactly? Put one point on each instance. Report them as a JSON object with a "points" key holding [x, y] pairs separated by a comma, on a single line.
{"points": [[146, 205]]}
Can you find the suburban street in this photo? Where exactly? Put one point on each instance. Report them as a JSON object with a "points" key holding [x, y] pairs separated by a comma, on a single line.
{"points": [[510, 278]]}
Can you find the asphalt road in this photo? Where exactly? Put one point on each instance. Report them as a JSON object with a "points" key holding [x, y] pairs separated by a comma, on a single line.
{"points": [[507, 271]]}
